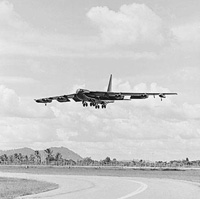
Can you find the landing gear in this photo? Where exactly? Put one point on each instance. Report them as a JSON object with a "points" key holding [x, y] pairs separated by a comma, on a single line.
{"points": [[97, 106], [92, 104], [85, 104], [103, 106]]}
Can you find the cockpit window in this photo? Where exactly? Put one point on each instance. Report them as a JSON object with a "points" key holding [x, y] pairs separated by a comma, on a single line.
{"points": [[81, 90], [78, 90]]}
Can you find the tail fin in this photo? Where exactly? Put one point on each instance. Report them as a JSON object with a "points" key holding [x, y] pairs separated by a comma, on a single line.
{"points": [[110, 84]]}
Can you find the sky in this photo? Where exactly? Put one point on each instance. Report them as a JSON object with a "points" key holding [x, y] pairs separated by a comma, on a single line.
{"points": [[50, 48]]}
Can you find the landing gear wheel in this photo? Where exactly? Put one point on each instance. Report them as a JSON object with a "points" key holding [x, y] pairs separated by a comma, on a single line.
{"points": [[103, 106]]}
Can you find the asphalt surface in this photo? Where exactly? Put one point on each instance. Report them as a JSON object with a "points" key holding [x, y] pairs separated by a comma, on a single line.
{"points": [[101, 187]]}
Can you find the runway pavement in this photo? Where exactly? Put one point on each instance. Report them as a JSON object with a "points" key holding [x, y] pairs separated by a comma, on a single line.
{"points": [[101, 187]]}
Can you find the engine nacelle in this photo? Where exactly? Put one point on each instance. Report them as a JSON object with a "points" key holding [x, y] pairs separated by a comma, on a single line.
{"points": [[63, 99], [161, 95], [119, 97], [143, 96], [45, 100]]}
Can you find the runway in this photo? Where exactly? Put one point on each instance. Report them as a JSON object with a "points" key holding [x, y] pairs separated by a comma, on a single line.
{"points": [[101, 187]]}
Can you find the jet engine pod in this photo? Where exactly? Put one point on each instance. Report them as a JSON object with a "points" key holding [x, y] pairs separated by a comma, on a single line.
{"points": [[161, 95], [44, 100], [119, 97], [63, 99], [142, 96]]}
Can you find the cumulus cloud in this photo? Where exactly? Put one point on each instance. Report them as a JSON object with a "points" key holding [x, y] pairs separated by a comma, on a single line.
{"points": [[20, 132], [125, 127], [12, 105], [120, 129], [132, 24], [8, 100], [23, 122], [141, 123]]}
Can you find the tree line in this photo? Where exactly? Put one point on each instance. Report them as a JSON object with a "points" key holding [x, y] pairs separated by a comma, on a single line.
{"points": [[35, 159], [57, 159]]}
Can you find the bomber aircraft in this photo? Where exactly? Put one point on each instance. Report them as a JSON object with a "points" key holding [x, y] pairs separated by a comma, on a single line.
{"points": [[99, 99]]}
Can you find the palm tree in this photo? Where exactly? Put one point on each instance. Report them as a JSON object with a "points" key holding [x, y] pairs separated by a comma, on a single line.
{"points": [[26, 159], [38, 156], [58, 157], [4, 158], [49, 153], [87, 161], [11, 159], [32, 158], [16, 158], [1, 159], [20, 158]]}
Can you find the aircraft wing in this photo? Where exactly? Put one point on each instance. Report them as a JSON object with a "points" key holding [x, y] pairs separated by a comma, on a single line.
{"points": [[146, 95], [121, 95], [61, 98]]}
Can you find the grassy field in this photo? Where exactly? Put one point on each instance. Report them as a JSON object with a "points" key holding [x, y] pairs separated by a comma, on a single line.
{"points": [[11, 187], [179, 174]]}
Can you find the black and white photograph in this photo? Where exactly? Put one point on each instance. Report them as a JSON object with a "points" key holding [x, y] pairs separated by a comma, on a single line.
{"points": [[99, 99]]}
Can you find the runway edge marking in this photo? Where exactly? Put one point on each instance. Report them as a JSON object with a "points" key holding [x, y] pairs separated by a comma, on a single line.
{"points": [[142, 188]]}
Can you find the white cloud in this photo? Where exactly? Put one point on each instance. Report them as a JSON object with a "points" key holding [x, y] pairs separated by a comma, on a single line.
{"points": [[132, 24], [187, 32], [191, 111], [20, 132], [11, 105], [9, 19], [14, 80], [18, 37], [23, 122], [121, 129]]}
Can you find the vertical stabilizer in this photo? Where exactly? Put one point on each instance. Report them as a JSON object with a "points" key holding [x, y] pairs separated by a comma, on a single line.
{"points": [[110, 84]]}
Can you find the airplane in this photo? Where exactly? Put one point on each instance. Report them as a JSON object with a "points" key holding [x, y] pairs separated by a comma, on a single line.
{"points": [[99, 99]]}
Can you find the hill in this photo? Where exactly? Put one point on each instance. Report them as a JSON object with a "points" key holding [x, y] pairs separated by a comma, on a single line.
{"points": [[65, 152], [23, 151]]}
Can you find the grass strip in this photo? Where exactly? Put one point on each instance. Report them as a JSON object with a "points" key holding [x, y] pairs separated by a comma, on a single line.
{"points": [[12, 187]]}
